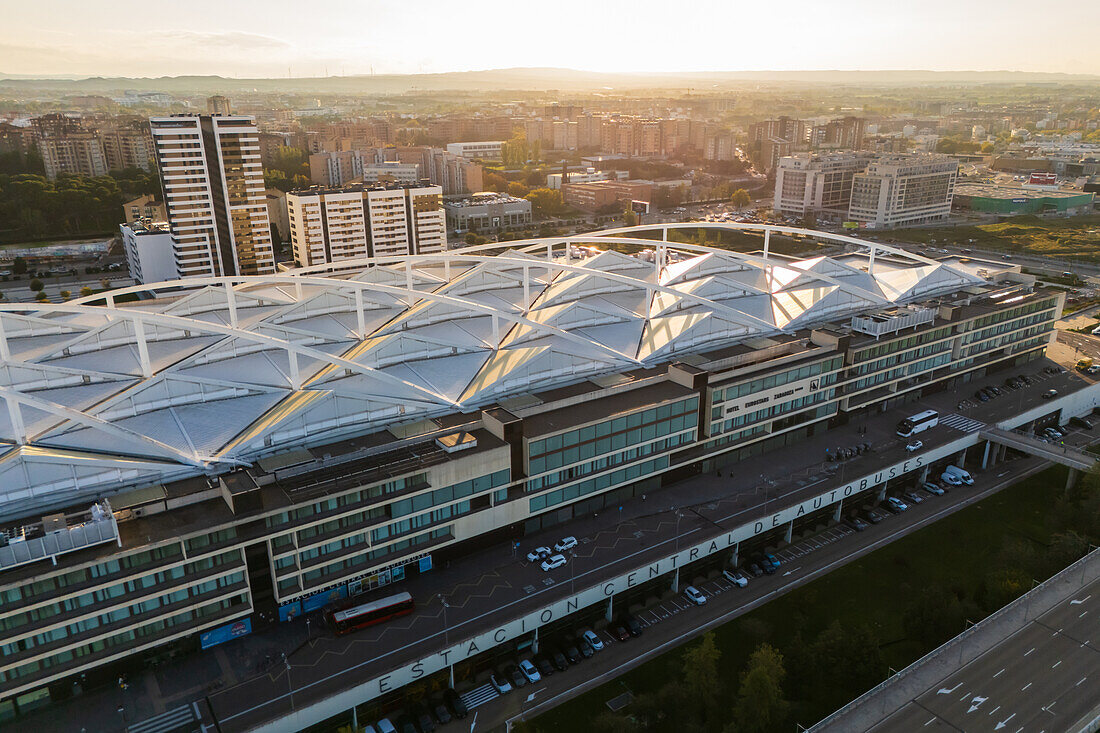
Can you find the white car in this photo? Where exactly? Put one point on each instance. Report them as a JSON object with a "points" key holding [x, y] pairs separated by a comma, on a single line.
{"points": [[567, 543], [593, 641], [500, 684], [694, 595], [529, 671], [735, 577], [539, 553], [914, 446], [554, 561]]}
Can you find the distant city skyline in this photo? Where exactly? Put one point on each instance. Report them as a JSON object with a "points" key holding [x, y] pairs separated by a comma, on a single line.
{"points": [[343, 37]]}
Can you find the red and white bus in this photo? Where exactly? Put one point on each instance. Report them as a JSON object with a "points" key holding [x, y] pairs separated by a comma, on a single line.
{"points": [[351, 619]]}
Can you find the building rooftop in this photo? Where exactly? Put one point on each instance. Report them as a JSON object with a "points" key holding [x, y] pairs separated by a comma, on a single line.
{"points": [[482, 199], [1004, 191], [214, 373]]}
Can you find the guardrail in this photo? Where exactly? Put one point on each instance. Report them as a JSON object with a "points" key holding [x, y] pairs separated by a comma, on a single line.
{"points": [[1023, 600]]}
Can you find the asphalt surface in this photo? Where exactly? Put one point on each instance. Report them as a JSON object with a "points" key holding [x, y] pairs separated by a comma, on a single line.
{"points": [[1045, 677]]}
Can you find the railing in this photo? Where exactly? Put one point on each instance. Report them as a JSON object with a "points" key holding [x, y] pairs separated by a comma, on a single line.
{"points": [[1023, 600], [77, 532]]}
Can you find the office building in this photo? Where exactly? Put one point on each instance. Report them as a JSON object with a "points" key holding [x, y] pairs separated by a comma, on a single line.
{"points": [[363, 220], [67, 146], [260, 450], [392, 171], [487, 150], [903, 190], [213, 184], [487, 212], [605, 195], [817, 184], [150, 251], [589, 175]]}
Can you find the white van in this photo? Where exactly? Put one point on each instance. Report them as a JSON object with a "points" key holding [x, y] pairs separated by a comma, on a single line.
{"points": [[960, 474]]}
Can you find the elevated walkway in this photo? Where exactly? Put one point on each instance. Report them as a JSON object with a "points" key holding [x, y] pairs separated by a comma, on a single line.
{"points": [[1068, 456]]}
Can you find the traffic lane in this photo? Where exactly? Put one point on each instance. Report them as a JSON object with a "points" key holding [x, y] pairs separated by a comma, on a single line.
{"points": [[1044, 674], [1024, 680]]}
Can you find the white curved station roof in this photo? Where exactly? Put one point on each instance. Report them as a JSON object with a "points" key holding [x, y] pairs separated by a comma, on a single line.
{"points": [[100, 397]]}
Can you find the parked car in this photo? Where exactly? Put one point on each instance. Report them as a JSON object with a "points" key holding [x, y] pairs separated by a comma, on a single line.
{"points": [[529, 670], [585, 648], [515, 676], [912, 497], [633, 624], [539, 554], [560, 662], [1050, 394], [1025, 379], [552, 562], [858, 524], [546, 667], [754, 570], [593, 640], [620, 632], [981, 396], [932, 488], [735, 577], [385, 726], [566, 543], [1081, 422], [873, 517], [454, 702], [500, 684], [694, 595], [895, 505], [442, 714], [425, 722], [913, 446], [951, 479]]}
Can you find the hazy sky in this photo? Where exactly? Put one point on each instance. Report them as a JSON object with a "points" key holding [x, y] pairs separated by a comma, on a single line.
{"points": [[249, 38]]}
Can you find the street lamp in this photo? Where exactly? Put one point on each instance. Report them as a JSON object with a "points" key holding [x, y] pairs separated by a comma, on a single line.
{"points": [[446, 628], [289, 687]]}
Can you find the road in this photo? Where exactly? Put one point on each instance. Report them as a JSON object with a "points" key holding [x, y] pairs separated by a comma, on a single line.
{"points": [[1045, 677]]}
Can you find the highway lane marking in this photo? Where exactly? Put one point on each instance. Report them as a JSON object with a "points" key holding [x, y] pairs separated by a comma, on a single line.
{"points": [[1025, 687], [976, 703], [994, 709], [1029, 651], [1082, 615], [1080, 681], [1056, 664], [1004, 722], [964, 697], [1076, 602], [945, 691], [999, 673]]}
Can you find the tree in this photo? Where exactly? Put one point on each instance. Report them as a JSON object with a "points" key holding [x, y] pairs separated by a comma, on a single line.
{"points": [[702, 678], [517, 189], [65, 294], [760, 705], [545, 201], [37, 285], [86, 291], [41, 296], [740, 198], [629, 217]]}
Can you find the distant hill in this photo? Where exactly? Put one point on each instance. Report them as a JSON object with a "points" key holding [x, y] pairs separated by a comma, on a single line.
{"points": [[528, 79]]}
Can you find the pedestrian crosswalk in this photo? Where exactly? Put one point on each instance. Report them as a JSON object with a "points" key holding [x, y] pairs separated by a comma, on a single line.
{"points": [[961, 422], [480, 696], [177, 720]]}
